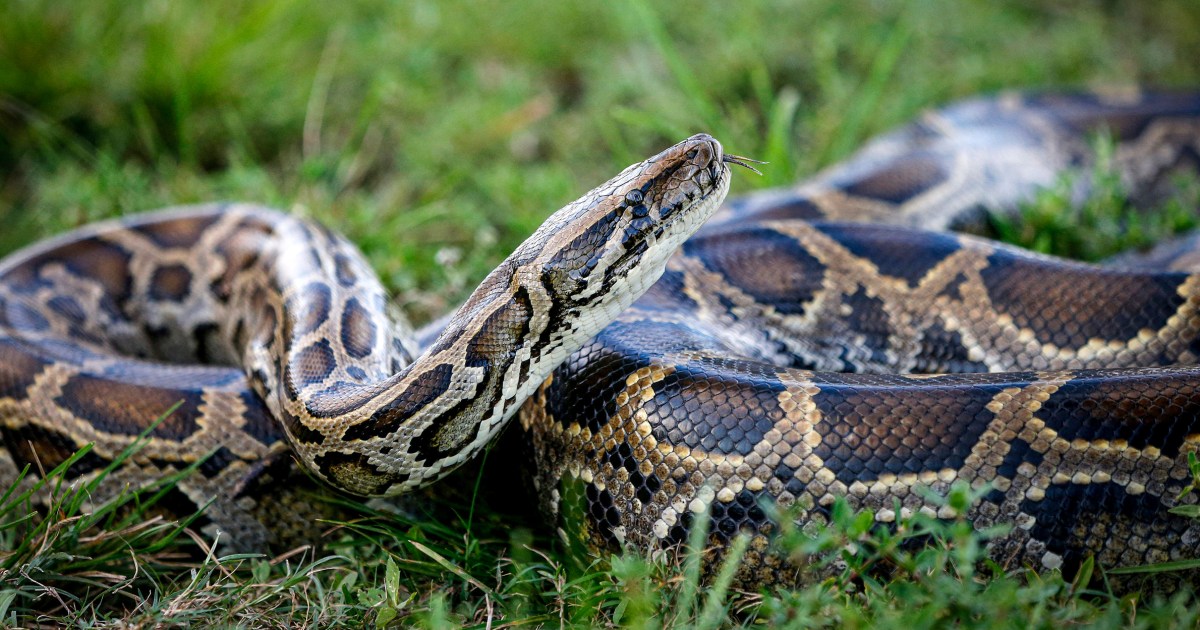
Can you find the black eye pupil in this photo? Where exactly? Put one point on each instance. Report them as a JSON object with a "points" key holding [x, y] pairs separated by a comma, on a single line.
{"points": [[634, 196]]}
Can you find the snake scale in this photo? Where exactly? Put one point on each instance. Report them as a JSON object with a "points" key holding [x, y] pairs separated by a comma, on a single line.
{"points": [[823, 341]]}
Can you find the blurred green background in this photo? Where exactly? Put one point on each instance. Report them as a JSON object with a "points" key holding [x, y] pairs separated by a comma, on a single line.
{"points": [[456, 126]]}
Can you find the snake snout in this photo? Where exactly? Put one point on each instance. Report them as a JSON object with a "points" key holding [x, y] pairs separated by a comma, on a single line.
{"points": [[703, 149]]}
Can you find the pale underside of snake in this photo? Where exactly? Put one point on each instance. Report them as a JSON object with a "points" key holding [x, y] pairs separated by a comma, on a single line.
{"points": [[823, 342]]}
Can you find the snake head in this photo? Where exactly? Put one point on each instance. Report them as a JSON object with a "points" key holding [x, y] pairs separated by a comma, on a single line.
{"points": [[608, 247], [588, 262], [571, 278], [594, 257]]}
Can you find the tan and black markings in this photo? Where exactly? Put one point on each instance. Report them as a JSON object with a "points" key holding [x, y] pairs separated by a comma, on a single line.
{"points": [[1066, 388], [104, 329], [787, 354], [951, 166]]}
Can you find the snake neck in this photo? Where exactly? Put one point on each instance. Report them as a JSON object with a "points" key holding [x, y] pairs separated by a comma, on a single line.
{"points": [[366, 416]]}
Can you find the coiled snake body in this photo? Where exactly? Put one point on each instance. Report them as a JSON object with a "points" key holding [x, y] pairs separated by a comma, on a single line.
{"points": [[755, 369]]}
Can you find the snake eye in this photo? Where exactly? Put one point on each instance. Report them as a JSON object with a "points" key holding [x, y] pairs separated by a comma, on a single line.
{"points": [[634, 196]]}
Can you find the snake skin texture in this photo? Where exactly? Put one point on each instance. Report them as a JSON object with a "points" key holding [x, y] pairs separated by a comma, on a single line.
{"points": [[811, 344], [90, 322], [824, 341]]}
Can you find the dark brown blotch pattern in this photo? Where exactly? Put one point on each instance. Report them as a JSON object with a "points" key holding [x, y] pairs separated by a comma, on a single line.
{"points": [[311, 365], [1067, 304], [715, 407], [43, 448], [871, 428], [20, 366], [895, 252], [123, 408], [424, 389], [106, 263], [310, 308], [178, 232], [171, 283], [901, 180], [1139, 409], [772, 268], [358, 330]]}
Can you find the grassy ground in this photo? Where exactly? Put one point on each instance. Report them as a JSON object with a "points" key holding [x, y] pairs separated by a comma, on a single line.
{"points": [[437, 135]]}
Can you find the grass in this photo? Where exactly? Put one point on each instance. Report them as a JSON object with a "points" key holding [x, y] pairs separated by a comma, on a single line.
{"points": [[437, 135], [1106, 223], [113, 561]]}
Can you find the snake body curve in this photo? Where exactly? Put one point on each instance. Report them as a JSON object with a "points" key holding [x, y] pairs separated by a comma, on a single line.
{"points": [[1067, 388]]}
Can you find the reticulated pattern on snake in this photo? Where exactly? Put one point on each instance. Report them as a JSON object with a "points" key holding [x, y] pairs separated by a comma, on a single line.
{"points": [[818, 342]]}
